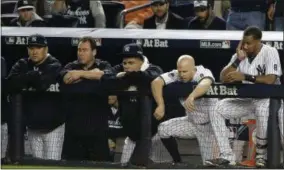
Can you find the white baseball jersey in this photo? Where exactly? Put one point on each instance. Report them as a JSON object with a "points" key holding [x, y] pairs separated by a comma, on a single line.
{"points": [[266, 62], [202, 105], [196, 123]]}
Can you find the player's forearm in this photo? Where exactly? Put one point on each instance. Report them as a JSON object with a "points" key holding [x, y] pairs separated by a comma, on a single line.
{"points": [[265, 79], [201, 88], [92, 75], [157, 90]]}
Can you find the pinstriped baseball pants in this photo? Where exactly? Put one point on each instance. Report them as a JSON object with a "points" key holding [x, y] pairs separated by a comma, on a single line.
{"points": [[237, 108], [182, 127]]}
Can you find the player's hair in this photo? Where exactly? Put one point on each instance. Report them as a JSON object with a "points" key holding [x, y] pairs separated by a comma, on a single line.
{"points": [[253, 31], [91, 40]]}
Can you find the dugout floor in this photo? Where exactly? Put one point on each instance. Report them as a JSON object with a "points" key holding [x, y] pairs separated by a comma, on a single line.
{"points": [[188, 148]]}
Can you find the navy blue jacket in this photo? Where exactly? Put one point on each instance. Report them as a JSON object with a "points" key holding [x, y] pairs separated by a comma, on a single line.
{"points": [[42, 111], [85, 102]]}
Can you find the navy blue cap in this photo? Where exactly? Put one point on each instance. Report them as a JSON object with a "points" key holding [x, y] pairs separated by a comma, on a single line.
{"points": [[132, 50], [37, 40], [25, 4]]}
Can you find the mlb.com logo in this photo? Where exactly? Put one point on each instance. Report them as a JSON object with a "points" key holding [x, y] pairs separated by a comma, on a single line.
{"points": [[75, 41], [225, 44]]}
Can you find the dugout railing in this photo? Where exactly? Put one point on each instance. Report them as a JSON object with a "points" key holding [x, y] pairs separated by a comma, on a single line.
{"points": [[141, 153]]}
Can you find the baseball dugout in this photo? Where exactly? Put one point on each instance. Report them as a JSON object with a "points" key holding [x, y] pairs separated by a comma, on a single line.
{"points": [[192, 156]]}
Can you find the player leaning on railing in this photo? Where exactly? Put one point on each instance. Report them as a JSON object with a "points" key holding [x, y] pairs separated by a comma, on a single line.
{"points": [[254, 62], [137, 70], [196, 123], [86, 136], [43, 118]]}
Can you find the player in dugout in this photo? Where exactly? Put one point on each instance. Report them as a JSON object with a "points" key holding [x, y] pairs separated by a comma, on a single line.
{"points": [[196, 123], [253, 63], [42, 114], [135, 69], [86, 136]]}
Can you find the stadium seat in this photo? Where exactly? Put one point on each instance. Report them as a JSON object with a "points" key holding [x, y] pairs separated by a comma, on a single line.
{"points": [[184, 11], [112, 11], [58, 20], [7, 18], [8, 7]]}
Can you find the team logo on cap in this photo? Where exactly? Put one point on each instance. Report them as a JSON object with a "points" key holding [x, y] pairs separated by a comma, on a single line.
{"points": [[25, 2], [127, 48], [34, 39]]}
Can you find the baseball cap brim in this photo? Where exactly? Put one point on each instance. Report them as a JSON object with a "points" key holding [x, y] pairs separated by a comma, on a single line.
{"points": [[36, 45], [26, 7], [131, 55]]}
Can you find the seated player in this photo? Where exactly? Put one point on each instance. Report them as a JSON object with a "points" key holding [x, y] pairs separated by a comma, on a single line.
{"points": [[254, 62], [196, 123]]}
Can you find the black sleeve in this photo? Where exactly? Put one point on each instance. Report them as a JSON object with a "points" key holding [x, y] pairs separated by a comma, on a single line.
{"points": [[48, 77], [17, 78], [39, 23], [64, 71], [3, 68], [191, 24], [105, 65], [153, 72], [143, 78], [112, 72]]}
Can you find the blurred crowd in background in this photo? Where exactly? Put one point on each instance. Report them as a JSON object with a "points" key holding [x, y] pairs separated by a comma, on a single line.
{"points": [[161, 14]]}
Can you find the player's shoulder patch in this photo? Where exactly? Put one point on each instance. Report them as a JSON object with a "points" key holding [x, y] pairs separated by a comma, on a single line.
{"points": [[172, 74]]}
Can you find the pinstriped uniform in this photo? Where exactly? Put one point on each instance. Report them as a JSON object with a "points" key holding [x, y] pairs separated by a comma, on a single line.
{"points": [[265, 63], [4, 139], [197, 123]]}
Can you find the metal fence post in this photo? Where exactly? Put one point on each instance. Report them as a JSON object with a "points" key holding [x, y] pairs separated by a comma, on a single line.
{"points": [[273, 136], [141, 152], [17, 131]]}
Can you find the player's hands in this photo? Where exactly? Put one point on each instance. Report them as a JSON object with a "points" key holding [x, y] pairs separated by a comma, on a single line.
{"points": [[240, 52], [189, 103], [121, 74], [159, 112], [73, 76], [235, 76]]}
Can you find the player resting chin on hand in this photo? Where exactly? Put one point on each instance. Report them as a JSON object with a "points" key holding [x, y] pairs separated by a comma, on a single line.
{"points": [[253, 62]]}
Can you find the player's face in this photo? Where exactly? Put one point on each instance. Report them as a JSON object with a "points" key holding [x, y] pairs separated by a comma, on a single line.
{"points": [[250, 44], [185, 72], [85, 53], [26, 14], [112, 100], [159, 9], [132, 64], [37, 54], [202, 13]]}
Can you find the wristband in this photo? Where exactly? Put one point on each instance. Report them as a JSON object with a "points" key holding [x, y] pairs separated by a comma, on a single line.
{"points": [[236, 63], [250, 78]]}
